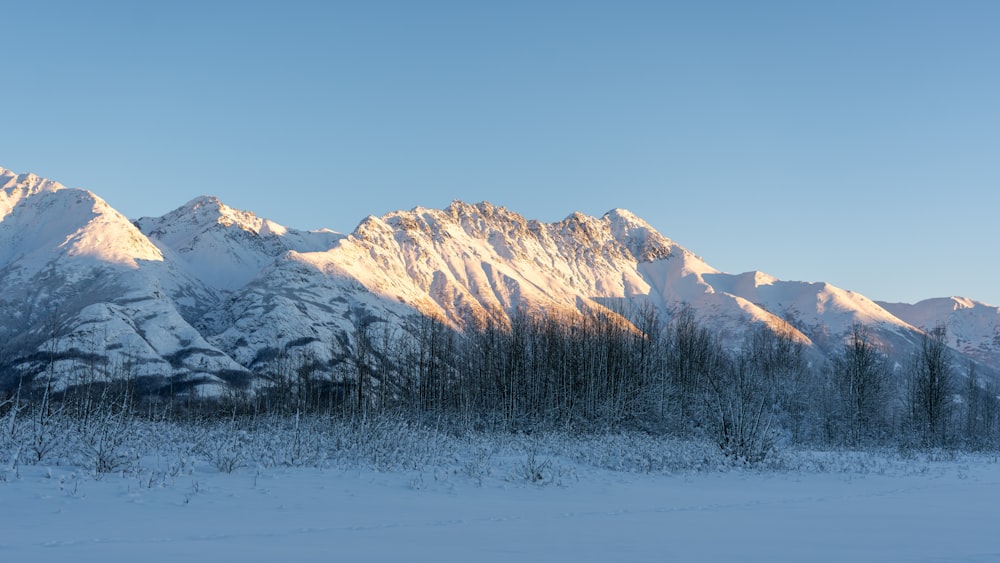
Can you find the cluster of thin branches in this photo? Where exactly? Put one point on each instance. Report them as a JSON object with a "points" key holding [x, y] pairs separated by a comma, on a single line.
{"points": [[591, 373]]}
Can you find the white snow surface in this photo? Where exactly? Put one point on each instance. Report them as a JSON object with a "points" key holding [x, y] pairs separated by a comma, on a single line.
{"points": [[867, 511]]}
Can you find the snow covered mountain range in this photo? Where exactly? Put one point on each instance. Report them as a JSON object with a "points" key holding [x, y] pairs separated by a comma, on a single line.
{"points": [[211, 296]]}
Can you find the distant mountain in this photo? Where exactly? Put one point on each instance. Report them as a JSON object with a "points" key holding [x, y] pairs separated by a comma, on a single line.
{"points": [[211, 296], [972, 327]]}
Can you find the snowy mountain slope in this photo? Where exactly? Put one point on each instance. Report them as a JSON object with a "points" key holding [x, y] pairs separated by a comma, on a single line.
{"points": [[223, 247], [300, 311], [208, 293], [43, 222], [821, 311], [245, 289], [82, 289], [972, 327], [469, 263]]}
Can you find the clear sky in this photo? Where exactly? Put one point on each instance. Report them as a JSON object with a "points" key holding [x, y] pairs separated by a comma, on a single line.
{"points": [[854, 142]]}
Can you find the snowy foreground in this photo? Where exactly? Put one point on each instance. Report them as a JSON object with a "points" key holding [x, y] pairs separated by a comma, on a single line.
{"points": [[507, 507]]}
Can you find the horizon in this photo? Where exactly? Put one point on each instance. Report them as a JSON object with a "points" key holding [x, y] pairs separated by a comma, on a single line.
{"points": [[852, 144]]}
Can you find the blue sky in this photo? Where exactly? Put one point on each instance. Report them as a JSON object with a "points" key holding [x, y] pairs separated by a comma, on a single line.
{"points": [[850, 142]]}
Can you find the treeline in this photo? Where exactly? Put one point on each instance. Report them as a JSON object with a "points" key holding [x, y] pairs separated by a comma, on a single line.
{"points": [[600, 371], [596, 372]]}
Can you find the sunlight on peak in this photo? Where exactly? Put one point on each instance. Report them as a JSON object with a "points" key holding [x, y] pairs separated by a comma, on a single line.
{"points": [[760, 278]]}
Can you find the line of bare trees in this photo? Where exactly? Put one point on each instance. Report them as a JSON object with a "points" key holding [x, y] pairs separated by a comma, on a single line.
{"points": [[604, 370]]}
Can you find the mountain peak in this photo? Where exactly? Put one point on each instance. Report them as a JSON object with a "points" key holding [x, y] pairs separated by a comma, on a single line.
{"points": [[225, 246], [642, 240], [40, 216], [14, 187], [204, 201], [209, 212], [619, 214], [42, 222], [578, 217], [963, 303], [460, 210], [211, 209]]}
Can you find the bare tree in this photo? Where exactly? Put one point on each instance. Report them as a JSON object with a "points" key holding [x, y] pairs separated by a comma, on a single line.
{"points": [[692, 353], [362, 361], [981, 406], [741, 408], [860, 375], [932, 389]]}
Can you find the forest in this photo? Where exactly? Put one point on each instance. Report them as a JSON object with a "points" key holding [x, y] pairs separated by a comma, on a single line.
{"points": [[581, 375]]}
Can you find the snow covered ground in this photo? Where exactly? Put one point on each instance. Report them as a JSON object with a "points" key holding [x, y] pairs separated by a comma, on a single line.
{"points": [[506, 507]]}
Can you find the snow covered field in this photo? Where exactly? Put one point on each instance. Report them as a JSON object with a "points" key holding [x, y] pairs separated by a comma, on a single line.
{"points": [[506, 506]]}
